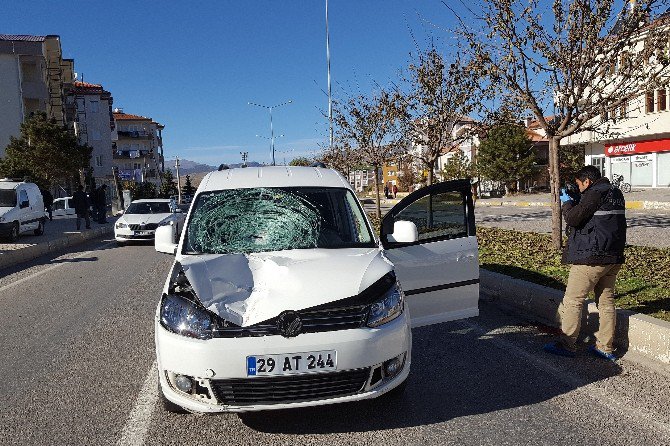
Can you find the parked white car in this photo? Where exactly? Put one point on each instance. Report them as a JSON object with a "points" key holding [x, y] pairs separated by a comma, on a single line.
{"points": [[142, 217], [21, 209], [63, 208], [281, 296]]}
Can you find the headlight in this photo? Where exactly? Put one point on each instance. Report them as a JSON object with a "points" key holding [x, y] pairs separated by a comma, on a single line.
{"points": [[389, 307], [185, 318], [121, 225]]}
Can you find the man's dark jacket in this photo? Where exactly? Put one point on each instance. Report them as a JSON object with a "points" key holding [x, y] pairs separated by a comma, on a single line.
{"points": [[596, 226], [81, 202]]}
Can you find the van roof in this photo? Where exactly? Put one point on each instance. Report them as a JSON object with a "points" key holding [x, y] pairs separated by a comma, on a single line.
{"points": [[272, 176], [9, 184]]}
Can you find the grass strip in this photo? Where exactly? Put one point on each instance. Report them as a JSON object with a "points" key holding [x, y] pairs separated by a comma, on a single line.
{"points": [[643, 284]]}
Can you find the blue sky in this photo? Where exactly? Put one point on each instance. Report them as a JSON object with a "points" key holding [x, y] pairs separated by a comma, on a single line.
{"points": [[194, 65]]}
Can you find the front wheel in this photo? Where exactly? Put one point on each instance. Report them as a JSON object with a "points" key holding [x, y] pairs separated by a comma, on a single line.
{"points": [[625, 188], [14, 232], [40, 228]]}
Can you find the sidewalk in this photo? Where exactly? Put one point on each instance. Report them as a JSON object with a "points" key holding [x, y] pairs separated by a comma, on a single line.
{"points": [[58, 234], [635, 199]]}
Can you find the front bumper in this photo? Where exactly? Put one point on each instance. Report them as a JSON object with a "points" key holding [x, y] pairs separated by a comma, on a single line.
{"points": [[216, 360], [125, 234]]}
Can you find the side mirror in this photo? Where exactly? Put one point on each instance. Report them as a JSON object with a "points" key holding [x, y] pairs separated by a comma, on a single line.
{"points": [[165, 240], [404, 232]]}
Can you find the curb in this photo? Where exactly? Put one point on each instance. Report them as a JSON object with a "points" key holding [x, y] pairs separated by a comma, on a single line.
{"points": [[11, 258], [636, 333], [663, 205]]}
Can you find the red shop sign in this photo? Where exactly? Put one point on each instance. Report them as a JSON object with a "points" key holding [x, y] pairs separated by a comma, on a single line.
{"points": [[659, 145]]}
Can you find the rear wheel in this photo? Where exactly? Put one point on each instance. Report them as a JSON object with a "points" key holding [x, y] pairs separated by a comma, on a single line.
{"points": [[40, 228]]}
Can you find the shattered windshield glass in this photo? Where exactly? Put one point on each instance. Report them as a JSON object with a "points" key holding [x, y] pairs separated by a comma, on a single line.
{"points": [[7, 198], [238, 221], [159, 207]]}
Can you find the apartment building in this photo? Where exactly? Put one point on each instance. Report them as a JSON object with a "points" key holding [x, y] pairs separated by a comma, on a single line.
{"points": [[137, 146], [362, 179], [88, 108], [33, 78]]}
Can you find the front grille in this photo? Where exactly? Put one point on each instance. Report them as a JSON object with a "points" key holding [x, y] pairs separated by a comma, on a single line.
{"points": [[313, 321], [147, 227], [288, 389]]}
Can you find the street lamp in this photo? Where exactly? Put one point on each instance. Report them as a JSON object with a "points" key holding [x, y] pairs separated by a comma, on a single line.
{"points": [[272, 133], [272, 143]]}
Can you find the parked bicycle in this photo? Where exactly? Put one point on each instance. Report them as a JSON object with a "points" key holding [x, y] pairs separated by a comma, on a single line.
{"points": [[617, 181]]}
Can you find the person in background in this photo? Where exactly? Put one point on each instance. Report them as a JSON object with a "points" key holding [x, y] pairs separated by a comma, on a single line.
{"points": [[81, 204], [48, 199], [395, 190], [100, 204], [596, 239]]}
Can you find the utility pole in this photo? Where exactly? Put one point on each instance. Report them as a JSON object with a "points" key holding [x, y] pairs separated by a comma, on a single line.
{"points": [[178, 181], [245, 156], [272, 132], [330, 98]]}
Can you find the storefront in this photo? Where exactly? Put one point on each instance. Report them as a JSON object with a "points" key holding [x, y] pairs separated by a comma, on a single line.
{"points": [[641, 163]]}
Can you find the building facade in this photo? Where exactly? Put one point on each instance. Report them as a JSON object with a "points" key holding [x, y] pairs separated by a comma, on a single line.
{"points": [[33, 78], [137, 146]]}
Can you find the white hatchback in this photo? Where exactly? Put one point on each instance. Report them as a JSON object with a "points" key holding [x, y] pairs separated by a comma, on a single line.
{"points": [[281, 295]]}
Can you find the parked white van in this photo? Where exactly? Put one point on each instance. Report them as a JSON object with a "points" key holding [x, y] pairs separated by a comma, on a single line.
{"points": [[281, 294], [21, 209]]}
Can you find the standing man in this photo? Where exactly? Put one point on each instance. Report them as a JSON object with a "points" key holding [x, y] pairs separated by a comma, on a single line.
{"points": [[48, 199], [100, 204], [596, 239], [81, 207]]}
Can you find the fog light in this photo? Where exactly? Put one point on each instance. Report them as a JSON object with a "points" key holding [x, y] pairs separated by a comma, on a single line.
{"points": [[392, 366], [183, 383]]}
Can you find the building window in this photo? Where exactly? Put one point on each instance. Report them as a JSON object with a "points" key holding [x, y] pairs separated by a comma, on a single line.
{"points": [[661, 103], [623, 110], [98, 161], [95, 106], [649, 108]]}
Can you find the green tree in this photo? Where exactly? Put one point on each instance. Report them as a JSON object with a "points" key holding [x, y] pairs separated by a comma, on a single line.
{"points": [[46, 152], [168, 186], [506, 155], [139, 191], [458, 166], [300, 161], [187, 188]]}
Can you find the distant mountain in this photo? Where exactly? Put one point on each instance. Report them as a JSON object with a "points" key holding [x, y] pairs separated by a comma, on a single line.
{"points": [[188, 167]]}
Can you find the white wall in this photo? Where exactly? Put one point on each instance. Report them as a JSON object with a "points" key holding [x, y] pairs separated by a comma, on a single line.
{"points": [[11, 106]]}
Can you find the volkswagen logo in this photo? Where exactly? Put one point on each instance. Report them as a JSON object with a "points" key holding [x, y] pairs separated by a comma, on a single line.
{"points": [[289, 324]]}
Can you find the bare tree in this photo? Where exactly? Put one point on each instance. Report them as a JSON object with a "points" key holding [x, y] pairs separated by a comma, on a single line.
{"points": [[340, 156], [440, 99], [578, 62], [372, 126]]}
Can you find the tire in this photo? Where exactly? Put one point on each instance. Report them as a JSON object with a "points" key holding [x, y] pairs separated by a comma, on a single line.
{"points": [[40, 228], [14, 233], [168, 405], [625, 188]]}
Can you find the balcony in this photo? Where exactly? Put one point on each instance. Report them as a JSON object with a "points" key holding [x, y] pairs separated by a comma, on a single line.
{"points": [[134, 134], [132, 154]]}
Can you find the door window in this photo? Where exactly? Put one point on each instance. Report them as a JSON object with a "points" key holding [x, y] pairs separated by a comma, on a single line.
{"points": [[23, 199]]}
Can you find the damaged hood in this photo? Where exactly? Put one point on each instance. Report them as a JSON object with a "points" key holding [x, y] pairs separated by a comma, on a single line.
{"points": [[249, 288]]}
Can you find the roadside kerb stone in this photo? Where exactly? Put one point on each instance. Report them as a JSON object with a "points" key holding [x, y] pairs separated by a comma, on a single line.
{"points": [[637, 333], [658, 205], [10, 258]]}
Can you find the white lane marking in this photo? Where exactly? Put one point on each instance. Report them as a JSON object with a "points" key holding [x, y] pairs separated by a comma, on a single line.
{"points": [[52, 267], [593, 391], [137, 425]]}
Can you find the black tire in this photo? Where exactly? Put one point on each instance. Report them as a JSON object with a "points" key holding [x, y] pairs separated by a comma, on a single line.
{"points": [[40, 228], [625, 188], [168, 405], [14, 232]]}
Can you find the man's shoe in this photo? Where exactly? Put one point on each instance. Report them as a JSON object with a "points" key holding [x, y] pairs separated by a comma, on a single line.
{"points": [[601, 354], [555, 348]]}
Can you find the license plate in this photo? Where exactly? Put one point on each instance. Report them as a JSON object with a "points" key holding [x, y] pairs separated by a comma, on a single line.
{"points": [[291, 364], [142, 232]]}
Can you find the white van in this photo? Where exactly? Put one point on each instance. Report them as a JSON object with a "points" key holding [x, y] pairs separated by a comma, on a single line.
{"points": [[282, 296], [21, 209]]}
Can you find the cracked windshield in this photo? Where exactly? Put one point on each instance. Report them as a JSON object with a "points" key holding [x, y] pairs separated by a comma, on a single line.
{"points": [[276, 219]]}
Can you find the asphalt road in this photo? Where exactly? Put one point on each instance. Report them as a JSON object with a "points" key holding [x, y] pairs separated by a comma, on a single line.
{"points": [[77, 355], [646, 227]]}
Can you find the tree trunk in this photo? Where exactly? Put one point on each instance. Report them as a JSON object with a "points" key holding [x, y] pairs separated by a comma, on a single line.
{"points": [[430, 197], [555, 182], [379, 209]]}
